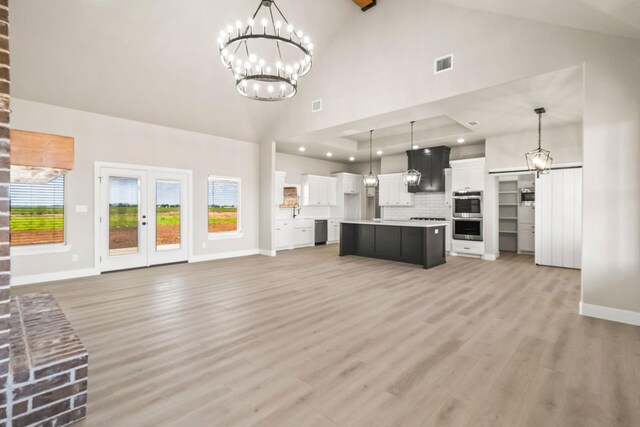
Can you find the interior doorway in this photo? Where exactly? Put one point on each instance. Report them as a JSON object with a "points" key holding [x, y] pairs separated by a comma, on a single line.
{"points": [[142, 216]]}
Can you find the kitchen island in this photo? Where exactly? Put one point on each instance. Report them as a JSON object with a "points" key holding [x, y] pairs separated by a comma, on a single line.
{"points": [[414, 242]]}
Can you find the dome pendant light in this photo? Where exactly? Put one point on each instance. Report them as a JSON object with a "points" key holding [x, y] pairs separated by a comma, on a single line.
{"points": [[539, 160], [411, 177], [371, 180], [266, 54]]}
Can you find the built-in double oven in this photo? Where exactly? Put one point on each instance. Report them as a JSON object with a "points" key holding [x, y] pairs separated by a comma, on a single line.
{"points": [[467, 215]]}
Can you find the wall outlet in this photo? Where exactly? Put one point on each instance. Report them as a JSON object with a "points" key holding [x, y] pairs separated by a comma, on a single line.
{"points": [[74, 257], [82, 208]]}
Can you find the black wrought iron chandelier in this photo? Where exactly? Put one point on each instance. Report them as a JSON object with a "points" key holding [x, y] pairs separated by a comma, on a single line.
{"points": [[539, 160], [411, 177], [370, 180], [267, 57]]}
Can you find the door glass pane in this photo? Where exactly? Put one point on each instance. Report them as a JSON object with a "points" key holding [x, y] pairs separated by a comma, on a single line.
{"points": [[124, 202], [167, 215]]}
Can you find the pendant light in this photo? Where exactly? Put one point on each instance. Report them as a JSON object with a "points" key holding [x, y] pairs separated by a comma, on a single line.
{"points": [[371, 180], [411, 177], [539, 160]]}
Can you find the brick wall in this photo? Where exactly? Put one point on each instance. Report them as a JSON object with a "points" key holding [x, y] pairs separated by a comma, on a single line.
{"points": [[4, 205], [48, 364]]}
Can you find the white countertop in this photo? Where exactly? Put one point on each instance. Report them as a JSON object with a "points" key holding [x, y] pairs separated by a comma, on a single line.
{"points": [[424, 224]]}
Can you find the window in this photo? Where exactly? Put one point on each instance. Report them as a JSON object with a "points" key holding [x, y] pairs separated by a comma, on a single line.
{"points": [[224, 206], [37, 213]]}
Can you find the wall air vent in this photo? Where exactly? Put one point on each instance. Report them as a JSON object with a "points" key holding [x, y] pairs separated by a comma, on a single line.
{"points": [[473, 123], [316, 106], [444, 63]]}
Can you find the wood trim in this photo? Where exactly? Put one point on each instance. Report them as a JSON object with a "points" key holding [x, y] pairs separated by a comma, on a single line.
{"points": [[41, 150]]}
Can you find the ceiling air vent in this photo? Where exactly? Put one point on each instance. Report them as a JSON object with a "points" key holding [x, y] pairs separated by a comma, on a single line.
{"points": [[316, 106], [442, 64]]}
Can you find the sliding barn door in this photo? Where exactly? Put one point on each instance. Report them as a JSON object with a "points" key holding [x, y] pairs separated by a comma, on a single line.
{"points": [[558, 214]]}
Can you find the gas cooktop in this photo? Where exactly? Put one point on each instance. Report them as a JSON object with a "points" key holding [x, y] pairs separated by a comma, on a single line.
{"points": [[419, 218]]}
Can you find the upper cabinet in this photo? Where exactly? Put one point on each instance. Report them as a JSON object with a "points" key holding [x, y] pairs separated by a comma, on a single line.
{"points": [[319, 190], [468, 175], [348, 183], [431, 163], [393, 191]]}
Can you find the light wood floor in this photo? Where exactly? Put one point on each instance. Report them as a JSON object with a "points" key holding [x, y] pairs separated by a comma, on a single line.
{"points": [[311, 339]]}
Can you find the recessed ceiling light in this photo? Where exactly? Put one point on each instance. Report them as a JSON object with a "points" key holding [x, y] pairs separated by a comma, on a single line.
{"points": [[460, 140], [415, 147], [329, 154], [426, 150], [351, 159], [302, 149], [379, 152]]}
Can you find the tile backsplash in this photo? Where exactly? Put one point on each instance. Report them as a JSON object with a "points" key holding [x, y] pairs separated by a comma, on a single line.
{"points": [[430, 205], [306, 212]]}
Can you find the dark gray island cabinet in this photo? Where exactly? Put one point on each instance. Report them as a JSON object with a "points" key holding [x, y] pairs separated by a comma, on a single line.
{"points": [[404, 241]]}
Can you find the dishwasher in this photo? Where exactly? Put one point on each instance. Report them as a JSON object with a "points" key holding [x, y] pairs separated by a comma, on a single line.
{"points": [[320, 231]]}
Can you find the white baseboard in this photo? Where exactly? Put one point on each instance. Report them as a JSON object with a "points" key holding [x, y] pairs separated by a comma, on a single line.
{"points": [[267, 252], [223, 255], [608, 313], [489, 257], [52, 277]]}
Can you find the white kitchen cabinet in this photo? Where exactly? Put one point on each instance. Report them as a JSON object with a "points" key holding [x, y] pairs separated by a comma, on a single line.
{"points": [[284, 234], [468, 175], [319, 190], [526, 238], [279, 188], [302, 237], [558, 213], [467, 247], [333, 232], [393, 191], [351, 184]]}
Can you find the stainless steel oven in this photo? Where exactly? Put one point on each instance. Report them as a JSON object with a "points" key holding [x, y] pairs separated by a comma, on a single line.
{"points": [[467, 229], [467, 204]]}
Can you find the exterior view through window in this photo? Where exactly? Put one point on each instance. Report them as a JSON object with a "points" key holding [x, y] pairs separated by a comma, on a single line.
{"points": [[224, 201], [124, 203], [167, 215], [37, 213]]}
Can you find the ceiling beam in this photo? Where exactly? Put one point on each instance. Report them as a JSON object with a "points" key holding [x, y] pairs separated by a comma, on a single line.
{"points": [[365, 4]]}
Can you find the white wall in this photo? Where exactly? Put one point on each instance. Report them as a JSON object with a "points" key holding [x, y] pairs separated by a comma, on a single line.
{"points": [[110, 139], [507, 151], [611, 182], [296, 166]]}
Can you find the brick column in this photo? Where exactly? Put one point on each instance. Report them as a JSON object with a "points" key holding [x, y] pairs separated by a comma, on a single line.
{"points": [[4, 205]]}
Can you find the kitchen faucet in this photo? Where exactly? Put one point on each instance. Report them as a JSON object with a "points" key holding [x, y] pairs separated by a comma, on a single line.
{"points": [[296, 205]]}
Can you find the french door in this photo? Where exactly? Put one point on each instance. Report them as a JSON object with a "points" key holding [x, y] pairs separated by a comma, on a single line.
{"points": [[143, 217]]}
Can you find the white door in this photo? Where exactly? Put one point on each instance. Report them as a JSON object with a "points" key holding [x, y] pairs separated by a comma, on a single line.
{"points": [[143, 218], [123, 219], [168, 218], [558, 214]]}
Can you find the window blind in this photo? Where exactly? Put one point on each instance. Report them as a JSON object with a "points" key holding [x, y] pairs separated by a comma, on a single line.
{"points": [[37, 213]]}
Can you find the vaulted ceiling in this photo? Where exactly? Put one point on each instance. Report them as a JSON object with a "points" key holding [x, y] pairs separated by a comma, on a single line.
{"points": [[615, 17], [153, 61]]}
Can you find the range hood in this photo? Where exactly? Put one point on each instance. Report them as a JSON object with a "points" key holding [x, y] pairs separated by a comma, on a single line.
{"points": [[431, 163], [39, 158]]}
